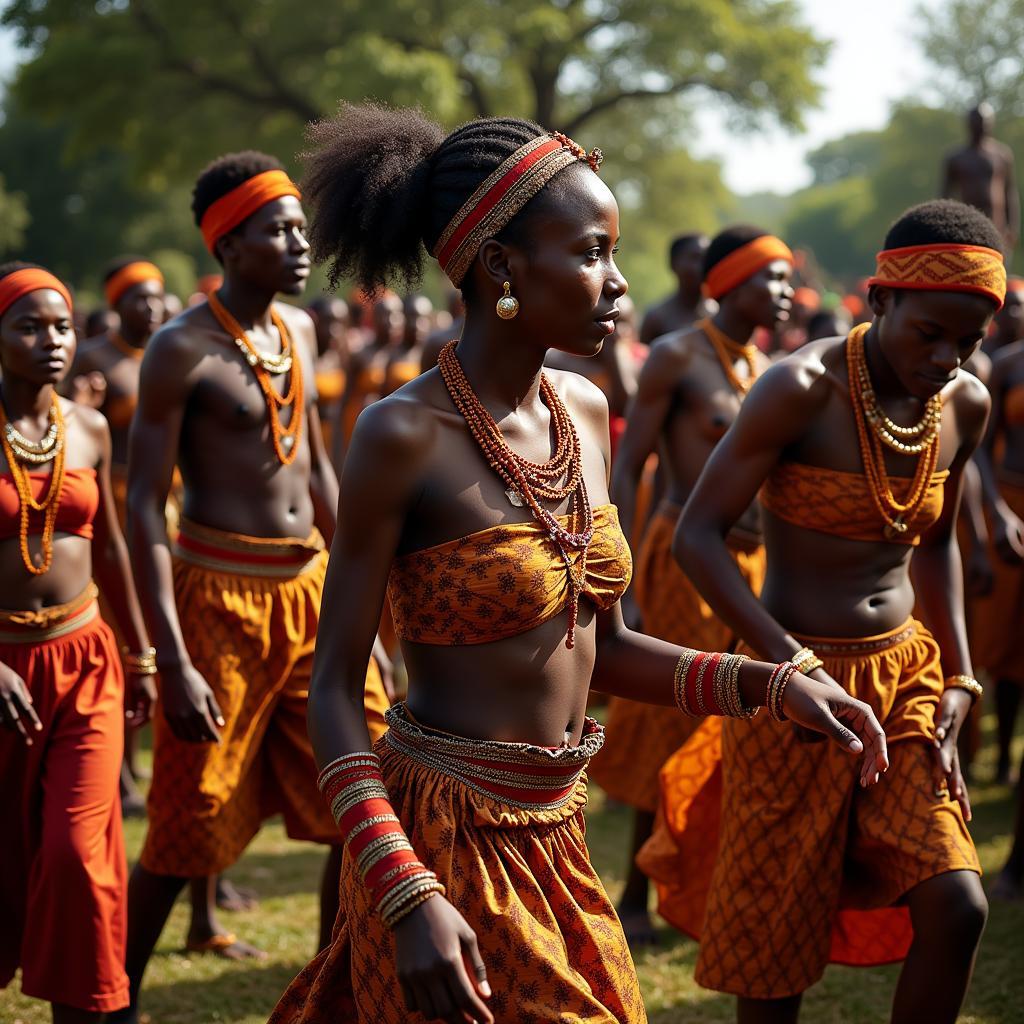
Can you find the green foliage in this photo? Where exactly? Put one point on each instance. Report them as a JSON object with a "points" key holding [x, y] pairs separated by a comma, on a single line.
{"points": [[978, 52], [833, 221], [14, 219]]}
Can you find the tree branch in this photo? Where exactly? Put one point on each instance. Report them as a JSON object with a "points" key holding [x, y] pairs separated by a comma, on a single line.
{"points": [[477, 96], [609, 102]]}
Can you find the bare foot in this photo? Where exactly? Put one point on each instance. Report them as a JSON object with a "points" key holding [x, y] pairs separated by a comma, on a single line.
{"points": [[1007, 888], [236, 898], [228, 946], [639, 928]]}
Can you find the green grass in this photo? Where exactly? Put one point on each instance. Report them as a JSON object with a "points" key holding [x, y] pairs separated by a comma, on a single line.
{"points": [[189, 989]]}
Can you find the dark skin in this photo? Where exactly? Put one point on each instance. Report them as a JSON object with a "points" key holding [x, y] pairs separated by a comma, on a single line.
{"points": [[684, 404], [800, 411], [37, 345], [686, 304], [141, 312], [200, 406], [438, 487], [981, 174], [1007, 528]]}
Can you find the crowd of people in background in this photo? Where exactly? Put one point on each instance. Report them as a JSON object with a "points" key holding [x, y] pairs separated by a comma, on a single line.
{"points": [[785, 460]]}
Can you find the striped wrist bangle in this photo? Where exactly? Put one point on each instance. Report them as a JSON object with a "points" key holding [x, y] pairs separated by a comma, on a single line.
{"points": [[965, 682], [777, 683]]}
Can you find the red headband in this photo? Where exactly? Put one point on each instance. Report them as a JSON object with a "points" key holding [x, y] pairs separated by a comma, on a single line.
{"points": [[945, 267], [30, 279], [743, 263], [128, 277], [502, 195], [243, 201]]}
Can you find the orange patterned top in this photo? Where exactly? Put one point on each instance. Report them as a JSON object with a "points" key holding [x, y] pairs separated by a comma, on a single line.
{"points": [[501, 582], [840, 503]]}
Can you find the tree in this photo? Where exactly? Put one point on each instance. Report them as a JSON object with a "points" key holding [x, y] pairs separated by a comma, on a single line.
{"points": [[14, 219], [174, 82], [977, 51]]}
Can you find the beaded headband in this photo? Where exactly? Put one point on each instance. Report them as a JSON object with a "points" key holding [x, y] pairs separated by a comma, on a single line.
{"points": [[502, 194], [29, 279], [243, 201], [128, 277], [744, 262], [945, 267]]}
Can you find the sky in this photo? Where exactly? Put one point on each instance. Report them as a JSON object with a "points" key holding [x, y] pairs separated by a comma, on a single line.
{"points": [[874, 61]]}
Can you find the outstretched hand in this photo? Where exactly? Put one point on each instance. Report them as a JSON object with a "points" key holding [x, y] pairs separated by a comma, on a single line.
{"points": [[822, 705], [439, 966]]}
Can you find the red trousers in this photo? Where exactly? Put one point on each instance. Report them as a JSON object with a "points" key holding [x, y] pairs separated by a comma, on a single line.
{"points": [[63, 875]]}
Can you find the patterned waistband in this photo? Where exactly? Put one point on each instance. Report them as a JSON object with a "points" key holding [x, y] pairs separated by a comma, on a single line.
{"points": [[518, 774], [235, 553], [855, 647], [33, 627]]}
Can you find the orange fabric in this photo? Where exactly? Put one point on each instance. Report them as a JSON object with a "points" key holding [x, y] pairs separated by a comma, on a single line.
{"points": [[809, 865], [79, 502], [63, 860], [330, 386], [743, 263], [500, 582], [523, 880], [943, 267], [996, 618], [31, 279], [128, 277], [119, 410], [399, 373], [1013, 406], [251, 637], [640, 738], [840, 503], [241, 202]]}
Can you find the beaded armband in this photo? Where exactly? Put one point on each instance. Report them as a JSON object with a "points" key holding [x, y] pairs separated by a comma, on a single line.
{"points": [[398, 881], [709, 684], [806, 661], [965, 682]]}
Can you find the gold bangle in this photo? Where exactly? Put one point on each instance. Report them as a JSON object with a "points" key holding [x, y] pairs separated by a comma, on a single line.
{"points": [[804, 656], [965, 682]]}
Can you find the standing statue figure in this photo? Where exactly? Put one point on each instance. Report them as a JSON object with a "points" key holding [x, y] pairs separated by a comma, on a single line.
{"points": [[981, 174]]}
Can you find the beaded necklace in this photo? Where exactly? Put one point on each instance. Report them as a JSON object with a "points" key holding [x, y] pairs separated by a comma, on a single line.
{"points": [[285, 438], [526, 482], [728, 351], [870, 435], [16, 454]]}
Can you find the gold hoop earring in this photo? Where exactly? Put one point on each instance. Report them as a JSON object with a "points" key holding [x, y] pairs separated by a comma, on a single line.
{"points": [[508, 304]]}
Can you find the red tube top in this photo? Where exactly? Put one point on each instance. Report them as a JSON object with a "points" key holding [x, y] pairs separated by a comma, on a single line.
{"points": [[79, 502]]}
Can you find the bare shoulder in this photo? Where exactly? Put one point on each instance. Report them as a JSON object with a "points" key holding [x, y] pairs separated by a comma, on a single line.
{"points": [[581, 396], [803, 380], [969, 394], [299, 323], [90, 421], [397, 433]]}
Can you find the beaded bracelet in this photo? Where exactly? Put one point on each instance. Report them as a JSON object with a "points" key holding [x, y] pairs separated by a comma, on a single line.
{"points": [[777, 683], [965, 682], [142, 664], [708, 684], [806, 660], [398, 881]]}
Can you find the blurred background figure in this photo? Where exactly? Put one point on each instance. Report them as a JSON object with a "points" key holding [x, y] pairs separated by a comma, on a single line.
{"points": [[330, 315], [687, 303]]}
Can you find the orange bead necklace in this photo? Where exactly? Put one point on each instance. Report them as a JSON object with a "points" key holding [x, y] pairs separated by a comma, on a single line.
{"points": [[897, 515], [728, 351], [50, 503], [122, 346], [527, 482], [286, 439]]}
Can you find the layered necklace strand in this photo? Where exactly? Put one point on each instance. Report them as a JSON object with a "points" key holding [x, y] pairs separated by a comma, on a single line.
{"points": [[875, 429], [18, 451], [285, 438], [528, 482], [728, 351]]}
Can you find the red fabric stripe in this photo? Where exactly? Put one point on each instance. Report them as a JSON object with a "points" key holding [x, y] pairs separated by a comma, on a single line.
{"points": [[226, 555], [492, 197]]}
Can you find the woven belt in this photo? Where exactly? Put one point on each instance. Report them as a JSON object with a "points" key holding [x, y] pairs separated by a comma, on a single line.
{"points": [[33, 627], [518, 774], [240, 555], [855, 647]]}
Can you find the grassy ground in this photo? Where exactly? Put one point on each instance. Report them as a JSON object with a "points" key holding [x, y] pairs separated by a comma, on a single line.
{"points": [[189, 989]]}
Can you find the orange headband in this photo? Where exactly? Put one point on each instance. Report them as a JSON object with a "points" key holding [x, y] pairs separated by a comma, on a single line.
{"points": [[230, 210], [744, 262], [128, 277], [501, 195], [945, 267], [31, 279]]}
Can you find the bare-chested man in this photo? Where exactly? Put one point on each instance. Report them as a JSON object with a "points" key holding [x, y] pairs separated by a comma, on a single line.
{"points": [[686, 304], [227, 393], [689, 392], [981, 174]]}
